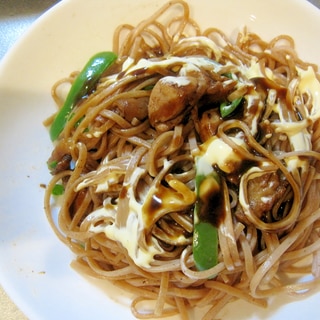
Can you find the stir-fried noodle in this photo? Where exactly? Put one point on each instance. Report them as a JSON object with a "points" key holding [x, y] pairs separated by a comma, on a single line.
{"points": [[126, 160]]}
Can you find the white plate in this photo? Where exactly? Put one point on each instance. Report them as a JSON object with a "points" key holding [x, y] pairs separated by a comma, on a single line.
{"points": [[34, 265]]}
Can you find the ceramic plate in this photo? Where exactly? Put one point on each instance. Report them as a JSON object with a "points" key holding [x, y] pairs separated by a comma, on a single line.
{"points": [[34, 265]]}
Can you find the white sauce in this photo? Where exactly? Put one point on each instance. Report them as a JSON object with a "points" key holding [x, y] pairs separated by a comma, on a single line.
{"points": [[300, 138], [129, 235], [189, 62], [179, 81], [254, 71], [251, 101], [309, 84], [216, 151]]}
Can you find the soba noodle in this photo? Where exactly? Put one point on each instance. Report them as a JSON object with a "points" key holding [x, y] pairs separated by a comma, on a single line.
{"points": [[126, 160]]}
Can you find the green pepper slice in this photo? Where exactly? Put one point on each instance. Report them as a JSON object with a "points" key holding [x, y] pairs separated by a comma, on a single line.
{"points": [[226, 109], [83, 84], [205, 234]]}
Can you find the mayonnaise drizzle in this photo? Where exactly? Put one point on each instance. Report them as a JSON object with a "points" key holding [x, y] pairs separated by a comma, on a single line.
{"points": [[130, 236], [309, 84], [171, 61], [298, 135], [216, 152], [213, 152]]}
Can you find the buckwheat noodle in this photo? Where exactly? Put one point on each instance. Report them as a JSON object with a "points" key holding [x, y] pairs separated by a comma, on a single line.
{"points": [[128, 168]]}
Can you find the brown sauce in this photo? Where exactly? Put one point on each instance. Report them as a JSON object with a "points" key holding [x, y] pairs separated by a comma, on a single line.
{"points": [[244, 166], [211, 208], [154, 205]]}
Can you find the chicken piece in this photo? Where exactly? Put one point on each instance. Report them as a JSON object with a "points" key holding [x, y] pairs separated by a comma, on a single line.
{"points": [[209, 123], [60, 158], [219, 90], [133, 108], [170, 99], [264, 191]]}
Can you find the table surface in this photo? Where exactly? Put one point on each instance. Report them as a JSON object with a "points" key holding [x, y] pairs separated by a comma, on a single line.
{"points": [[16, 16]]}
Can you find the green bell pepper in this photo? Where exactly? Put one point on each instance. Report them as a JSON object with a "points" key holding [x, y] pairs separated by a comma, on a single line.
{"points": [[226, 109], [205, 233], [83, 84]]}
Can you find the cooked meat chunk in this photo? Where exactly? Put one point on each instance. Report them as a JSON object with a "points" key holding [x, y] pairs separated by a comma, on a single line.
{"points": [[173, 97], [170, 98], [209, 123], [60, 158], [133, 108], [264, 191], [63, 164]]}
